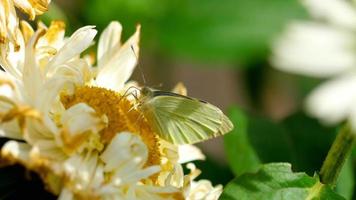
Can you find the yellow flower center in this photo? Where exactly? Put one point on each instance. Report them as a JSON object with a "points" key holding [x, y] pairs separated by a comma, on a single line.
{"points": [[121, 117]]}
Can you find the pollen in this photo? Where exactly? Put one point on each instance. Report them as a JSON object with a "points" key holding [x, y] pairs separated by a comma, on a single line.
{"points": [[121, 114]]}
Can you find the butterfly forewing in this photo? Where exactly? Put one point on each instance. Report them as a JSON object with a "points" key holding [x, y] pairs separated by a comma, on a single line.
{"points": [[183, 120]]}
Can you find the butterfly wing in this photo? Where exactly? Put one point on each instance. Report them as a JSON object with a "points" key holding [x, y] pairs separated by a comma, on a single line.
{"points": [[184, 120]]}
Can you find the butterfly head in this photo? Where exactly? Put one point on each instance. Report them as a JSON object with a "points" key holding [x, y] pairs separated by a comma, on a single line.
{"points": [[146, 93]]}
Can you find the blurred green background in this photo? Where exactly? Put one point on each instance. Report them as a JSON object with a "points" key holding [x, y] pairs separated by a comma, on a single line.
{"points": [[220, 51]]}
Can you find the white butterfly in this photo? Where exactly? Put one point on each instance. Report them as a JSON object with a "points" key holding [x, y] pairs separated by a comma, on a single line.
{"points": [[181, 119]]}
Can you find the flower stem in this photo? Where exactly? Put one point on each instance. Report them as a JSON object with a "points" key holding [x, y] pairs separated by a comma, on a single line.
{"points": [[338, 153]]}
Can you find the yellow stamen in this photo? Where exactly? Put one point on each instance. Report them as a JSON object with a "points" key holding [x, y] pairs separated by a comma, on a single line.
{"points": [[121, 117]]}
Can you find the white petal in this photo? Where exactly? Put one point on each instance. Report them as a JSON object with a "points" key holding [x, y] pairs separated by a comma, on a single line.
{"points": [[66, 194], [76, 44], [333, 101], [36, 131], [49, 149], [134, 176], [26, 6], [12, 55], [32, 7], [16, 150], [65, 78], [9, 22], [80, 125], [77, 72], [98, 177], [203, 189], [32, 77], [49, 92], [26, 30], [109, 42], [119, 67], [11, 130], [174, 177], [126, 152], [339, 12], [7, 86], [189, 153], [81, 118], [81, 169], [315, 50]]}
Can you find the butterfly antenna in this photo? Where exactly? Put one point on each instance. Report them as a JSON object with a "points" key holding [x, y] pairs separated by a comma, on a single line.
{"points": [[128, 92], [138, 65]]}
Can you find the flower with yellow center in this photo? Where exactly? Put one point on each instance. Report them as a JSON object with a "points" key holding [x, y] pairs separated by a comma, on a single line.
{"points": [[31, 109], [8, 18], [82, 135]]}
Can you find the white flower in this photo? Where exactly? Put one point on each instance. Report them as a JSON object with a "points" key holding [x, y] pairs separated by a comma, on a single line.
{"points": [[80, 134], [46, 64], [324, 48]]}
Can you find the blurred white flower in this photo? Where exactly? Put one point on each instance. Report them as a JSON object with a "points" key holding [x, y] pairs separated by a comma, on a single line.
{"points": [[71, 124], [324, 48]]}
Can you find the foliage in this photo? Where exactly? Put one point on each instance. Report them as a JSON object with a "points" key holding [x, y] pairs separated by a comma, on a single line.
{"points": [[227, 30], [277, 182], [298, 139]]}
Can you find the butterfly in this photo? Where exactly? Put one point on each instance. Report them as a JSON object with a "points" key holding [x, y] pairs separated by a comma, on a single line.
{"points": [[181, 119]]}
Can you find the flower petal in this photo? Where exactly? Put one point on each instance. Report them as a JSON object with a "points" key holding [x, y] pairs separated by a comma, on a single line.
{"points": [[76, 44], [82, 169], [332, 101], [32, 77], [123, 177], [32, 7], [77, 72], [203, 189], [66, 194], [81, 118], [315, 50], [26, 30], [48, 149], [8, 22], [119, 67], [8, 86], [11, 130], [126, 152], [189, 153], [109, 43], [79, 123], [342, 13], [16, 152]]}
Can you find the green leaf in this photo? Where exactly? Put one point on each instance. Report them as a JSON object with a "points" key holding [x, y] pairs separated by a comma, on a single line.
{"points": [[310, 140], [276, 181], [255, 140], [270, 140], [299, 139], [241, 155]]}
